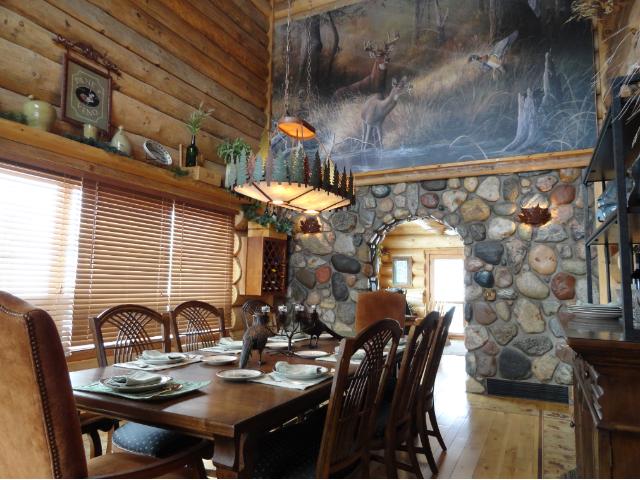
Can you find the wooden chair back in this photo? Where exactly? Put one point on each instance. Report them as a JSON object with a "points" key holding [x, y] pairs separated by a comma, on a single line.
{"points": [[355, 399], [433, 362], [42, 430], [251, 307], [204, 325], [372, 307], [412, 370], [132, 324]]}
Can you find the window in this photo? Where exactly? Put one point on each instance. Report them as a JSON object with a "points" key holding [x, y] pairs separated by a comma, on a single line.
{"points": [[76, 249], [402, 272], [39, 222], [447, 287]]}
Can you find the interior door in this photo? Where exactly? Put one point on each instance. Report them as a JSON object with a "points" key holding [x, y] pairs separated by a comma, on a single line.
{"points": [[446, 285]]}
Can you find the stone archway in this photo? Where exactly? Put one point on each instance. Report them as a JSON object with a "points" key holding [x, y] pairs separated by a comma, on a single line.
{"points": [[517, 278]]}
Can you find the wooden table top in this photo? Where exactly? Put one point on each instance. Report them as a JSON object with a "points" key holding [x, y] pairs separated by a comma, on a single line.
{"points": [[220, 409]]}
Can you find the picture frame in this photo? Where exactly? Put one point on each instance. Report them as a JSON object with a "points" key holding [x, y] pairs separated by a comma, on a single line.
{"points": [[86, 95], [401, 272]]}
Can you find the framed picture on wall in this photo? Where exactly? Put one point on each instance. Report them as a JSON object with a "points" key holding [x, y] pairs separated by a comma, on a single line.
{"points": [[86, 95], [401, 272]]}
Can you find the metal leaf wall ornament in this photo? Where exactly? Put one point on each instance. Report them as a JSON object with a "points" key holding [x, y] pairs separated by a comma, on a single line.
{"points": [[268, 167], [241, 171], [258, 169]]}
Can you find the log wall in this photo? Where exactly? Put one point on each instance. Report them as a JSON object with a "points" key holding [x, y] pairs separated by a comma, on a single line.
{"points": [[172, 54]]}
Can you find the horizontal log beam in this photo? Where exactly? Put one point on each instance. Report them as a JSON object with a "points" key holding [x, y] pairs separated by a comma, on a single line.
{"points": [[496, 166]]}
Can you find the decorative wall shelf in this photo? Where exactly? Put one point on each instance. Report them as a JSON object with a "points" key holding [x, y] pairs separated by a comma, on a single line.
{"points": [[32, 147]]}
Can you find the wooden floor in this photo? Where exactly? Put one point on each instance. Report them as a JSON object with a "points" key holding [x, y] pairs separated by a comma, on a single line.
{"points": [[493, 437]]}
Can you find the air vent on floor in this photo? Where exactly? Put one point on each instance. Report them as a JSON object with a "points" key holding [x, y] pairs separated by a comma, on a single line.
{"points": [[531, 391]]}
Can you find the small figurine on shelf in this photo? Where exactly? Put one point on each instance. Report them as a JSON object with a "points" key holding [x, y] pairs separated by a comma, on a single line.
{"points": [[39, 114], [120, 142], [194, 125]]}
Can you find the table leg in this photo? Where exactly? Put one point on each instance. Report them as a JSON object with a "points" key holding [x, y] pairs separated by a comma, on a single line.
{"points": [[229, 457]]}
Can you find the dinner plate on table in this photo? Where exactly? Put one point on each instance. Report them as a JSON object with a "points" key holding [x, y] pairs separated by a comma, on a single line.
{"points": [[238, 374], [216, 360], [162, 382], [325, 336], [278, 345], [311, 354]]}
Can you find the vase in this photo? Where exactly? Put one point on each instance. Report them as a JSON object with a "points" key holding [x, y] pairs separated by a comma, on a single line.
{"points": [[121, 142], [191, 159], [39, 114]]}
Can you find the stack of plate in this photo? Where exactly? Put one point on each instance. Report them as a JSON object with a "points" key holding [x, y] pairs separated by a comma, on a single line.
{"points": [[590, 312]]}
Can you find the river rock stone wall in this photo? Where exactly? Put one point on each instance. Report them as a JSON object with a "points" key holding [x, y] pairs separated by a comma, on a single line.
{"points": [[518, 278]]}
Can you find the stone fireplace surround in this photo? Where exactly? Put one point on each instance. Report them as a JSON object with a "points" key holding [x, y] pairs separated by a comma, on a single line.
{"points": [[517, 277]]}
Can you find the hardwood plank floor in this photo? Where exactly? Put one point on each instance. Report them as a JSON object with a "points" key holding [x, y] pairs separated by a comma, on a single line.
{"points": [[492, 437]]}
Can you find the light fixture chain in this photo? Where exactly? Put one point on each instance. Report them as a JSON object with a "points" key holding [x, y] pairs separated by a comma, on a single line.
{"points": [[287, 59], [309, 65]]}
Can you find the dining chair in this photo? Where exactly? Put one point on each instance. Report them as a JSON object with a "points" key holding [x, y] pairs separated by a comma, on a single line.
{"points": [[335, 441], [372, 307], [38, 410], [204, 325], [133, 327], [424, 406], [395, 427]]}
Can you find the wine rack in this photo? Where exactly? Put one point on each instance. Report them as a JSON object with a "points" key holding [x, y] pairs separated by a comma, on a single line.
{"points": [[266, 266]]}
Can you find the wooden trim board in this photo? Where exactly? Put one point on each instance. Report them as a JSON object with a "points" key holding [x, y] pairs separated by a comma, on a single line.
{"points": [[496, 166]]}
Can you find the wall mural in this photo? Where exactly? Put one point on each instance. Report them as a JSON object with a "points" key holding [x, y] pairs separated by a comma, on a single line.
{"points": [[402, 83]]}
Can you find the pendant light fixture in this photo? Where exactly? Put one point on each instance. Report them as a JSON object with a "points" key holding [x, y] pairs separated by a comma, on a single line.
{"points": [[282, 174], [292, 125]]}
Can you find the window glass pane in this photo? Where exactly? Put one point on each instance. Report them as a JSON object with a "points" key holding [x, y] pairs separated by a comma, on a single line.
{"points": [[401, 275], [39, 223], [448, 280]]}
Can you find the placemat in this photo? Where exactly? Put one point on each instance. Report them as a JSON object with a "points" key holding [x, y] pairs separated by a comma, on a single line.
{"points": [[187, 387]]}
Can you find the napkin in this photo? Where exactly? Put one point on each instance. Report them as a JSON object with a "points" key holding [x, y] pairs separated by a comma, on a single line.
{"points": [[135, 379], [285, 368], [228, 343], [157, 355]]}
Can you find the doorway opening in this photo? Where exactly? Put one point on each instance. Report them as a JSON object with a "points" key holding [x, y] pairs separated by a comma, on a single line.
{"points": [[425, 258]]}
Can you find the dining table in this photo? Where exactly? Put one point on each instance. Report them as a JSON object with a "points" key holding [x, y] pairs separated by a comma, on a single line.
{"points": [[232, 415]]}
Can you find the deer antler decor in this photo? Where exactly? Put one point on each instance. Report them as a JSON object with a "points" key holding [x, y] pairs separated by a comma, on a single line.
{"points": [[534, 216], [87, 51]]}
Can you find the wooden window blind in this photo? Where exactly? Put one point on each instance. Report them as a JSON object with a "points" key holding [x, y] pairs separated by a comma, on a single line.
{"points": [[202, 249], [123, 257], [149, 251], [39, 222]]}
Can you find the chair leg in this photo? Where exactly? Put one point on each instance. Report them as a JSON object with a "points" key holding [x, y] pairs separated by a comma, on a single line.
{"points": [[96, 444], [426, 445], [413, 457], [390, 460], [434, 427]]}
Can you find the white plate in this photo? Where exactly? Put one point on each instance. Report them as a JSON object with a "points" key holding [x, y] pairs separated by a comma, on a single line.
{"points": [[311, 354], [278, 345], [292, 375], [326, 336], [164, 380], [238, 374], [220, 359]]}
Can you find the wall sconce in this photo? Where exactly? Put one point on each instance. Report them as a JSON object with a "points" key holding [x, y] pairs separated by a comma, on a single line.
{"points": [[310, 225], [534, 216]]}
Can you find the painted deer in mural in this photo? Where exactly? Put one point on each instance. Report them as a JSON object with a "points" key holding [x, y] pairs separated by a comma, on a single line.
{"points": [[376, 109], [375, 82]]}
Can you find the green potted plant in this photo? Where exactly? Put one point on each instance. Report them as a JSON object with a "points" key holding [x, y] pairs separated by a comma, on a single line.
{"points": [[233, 153], [194, 124]]}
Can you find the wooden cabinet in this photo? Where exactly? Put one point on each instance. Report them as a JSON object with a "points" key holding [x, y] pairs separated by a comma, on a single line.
{"points": [[266, 266], [606, 403]]}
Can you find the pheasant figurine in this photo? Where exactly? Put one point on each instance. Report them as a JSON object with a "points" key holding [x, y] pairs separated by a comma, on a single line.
{"points": [[255, 338], [314, 327]]}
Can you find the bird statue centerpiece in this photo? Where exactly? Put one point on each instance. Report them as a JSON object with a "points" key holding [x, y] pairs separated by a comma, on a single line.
{"points": [[314, 327], [494, 62], [255, 337]]}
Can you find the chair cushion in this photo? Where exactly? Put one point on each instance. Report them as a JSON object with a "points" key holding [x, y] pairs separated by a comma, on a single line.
{"points": [[290, 452], [150, 441]]}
